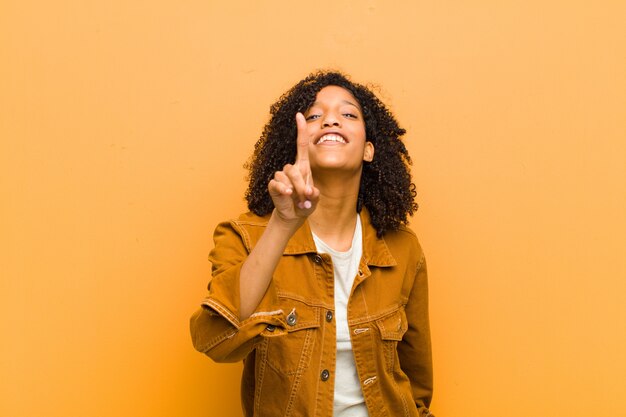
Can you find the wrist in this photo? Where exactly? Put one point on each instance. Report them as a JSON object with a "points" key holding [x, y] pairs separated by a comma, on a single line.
{"points": [[288, 226]]}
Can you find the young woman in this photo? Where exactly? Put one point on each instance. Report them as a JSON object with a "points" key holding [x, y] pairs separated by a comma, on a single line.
{"points": [[321, 288]]}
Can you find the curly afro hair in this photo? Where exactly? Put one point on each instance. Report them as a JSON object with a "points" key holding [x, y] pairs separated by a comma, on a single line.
{"points": [[386, 189]]}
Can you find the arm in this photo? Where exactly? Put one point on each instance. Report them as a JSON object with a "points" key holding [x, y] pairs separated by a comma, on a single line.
{"points": [[258, 269], [295, 198], [225, 328]]}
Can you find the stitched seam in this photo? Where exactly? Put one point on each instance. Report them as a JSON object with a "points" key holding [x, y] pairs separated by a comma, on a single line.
{"points": [[379, 262], [282, 371], [391, 334], [250, 223], [402, 397], [299, 251], [420, 263], [303, 300], [368, 318], [217, 339], [322, 338], [266, 313], [306, 325], [307, 328], [243, 233], [224, 312], [364, 306], [259, 383], [239, 226], [389, 354], [299, 371]]}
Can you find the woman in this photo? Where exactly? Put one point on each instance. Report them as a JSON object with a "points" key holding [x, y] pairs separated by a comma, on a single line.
{"points": [[321, 288]]}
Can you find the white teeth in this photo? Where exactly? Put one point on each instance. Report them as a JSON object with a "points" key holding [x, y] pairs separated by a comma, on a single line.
{"points": [[331, 138]]}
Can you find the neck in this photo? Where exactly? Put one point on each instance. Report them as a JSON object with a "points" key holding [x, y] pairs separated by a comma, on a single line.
{"points": [[334, 219]]}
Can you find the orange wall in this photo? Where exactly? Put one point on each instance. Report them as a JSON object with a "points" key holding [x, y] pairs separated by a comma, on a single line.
{"points": [[124, 127]]}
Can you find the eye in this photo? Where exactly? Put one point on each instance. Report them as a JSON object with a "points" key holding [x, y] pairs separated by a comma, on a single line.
{"points": [[312, 116], [350, 115]]}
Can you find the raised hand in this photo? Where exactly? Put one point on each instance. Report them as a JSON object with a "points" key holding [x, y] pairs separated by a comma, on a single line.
{"points": [[292, 190]]}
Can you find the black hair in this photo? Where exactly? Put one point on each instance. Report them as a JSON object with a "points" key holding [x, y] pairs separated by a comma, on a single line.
{"points": [[386, 189]]}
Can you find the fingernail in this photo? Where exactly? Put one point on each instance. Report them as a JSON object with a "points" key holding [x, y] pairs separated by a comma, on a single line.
{"points": [[309, 190], [307, 204]]}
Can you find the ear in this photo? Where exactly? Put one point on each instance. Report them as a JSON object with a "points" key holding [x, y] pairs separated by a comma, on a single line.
{"points": [[368, 152]]}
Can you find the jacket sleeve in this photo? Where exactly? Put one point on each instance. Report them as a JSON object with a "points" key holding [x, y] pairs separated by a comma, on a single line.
{"points": [[414, 350], [215, 327]]}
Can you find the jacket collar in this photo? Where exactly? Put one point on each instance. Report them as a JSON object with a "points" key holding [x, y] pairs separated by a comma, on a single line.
{"points": [[375, 250]]}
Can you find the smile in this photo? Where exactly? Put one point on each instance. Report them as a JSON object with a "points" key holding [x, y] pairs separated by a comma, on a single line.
{"points": [[331, 137]]}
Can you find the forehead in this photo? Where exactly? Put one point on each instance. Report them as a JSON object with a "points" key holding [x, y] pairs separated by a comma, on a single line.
{"points": [[334, 94]]}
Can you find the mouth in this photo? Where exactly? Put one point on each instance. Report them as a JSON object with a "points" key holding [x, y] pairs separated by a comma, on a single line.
{"points": [[331, 138]]}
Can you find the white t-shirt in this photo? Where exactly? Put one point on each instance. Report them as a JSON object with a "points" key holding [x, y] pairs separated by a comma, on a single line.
{"points": [[349, 400]]}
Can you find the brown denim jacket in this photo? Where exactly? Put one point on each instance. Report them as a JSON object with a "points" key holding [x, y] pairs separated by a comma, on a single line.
{"points": [[288, 344]]}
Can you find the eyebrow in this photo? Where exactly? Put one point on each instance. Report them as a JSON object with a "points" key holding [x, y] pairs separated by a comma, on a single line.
{"points": [[343, 101]]}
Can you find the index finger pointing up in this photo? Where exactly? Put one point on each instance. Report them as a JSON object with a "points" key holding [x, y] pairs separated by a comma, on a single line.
{"points": [[303, 139]]}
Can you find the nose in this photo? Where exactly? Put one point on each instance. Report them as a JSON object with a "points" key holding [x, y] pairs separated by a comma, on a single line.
{"points": [[330, 120]]}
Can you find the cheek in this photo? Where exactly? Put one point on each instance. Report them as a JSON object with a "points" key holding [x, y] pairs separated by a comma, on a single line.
{"points": [[360, 133], [310, 130], [361, 128]]}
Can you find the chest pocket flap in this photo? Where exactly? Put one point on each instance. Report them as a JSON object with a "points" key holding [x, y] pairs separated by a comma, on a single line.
{"points": [[393, 326]]}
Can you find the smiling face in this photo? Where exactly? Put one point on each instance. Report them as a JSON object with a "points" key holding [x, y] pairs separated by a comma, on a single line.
{"points": [[337, 128]]}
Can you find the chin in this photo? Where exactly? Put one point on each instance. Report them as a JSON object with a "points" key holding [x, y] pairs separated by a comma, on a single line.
{"points": [[337, 167]]}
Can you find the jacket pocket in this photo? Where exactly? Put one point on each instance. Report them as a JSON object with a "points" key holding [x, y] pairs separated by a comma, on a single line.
{"points": [[392, 328], [288, 348]]}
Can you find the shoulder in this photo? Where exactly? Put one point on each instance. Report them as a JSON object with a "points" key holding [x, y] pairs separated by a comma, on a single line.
{"points": [[404, 245], [404, 236], [247, 227], [394, 247], [251, 219], [245, 221]]}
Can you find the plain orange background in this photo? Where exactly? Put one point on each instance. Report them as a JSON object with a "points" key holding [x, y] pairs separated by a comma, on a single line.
{"points": [[124, 126]]}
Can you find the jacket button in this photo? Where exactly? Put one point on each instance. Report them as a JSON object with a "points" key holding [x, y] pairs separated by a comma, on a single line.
{"points": [[291, 319], [317, 259], [325, 375], [270, 328], [329, 316]]}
